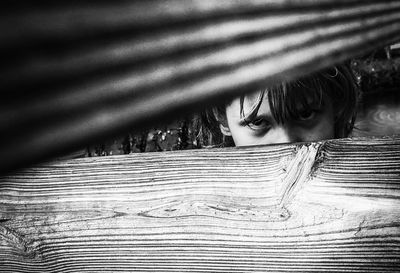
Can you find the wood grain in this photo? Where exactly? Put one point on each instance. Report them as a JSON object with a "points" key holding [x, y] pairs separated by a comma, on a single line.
{"points": [[159, 43], [77, 73], [331, 206]]}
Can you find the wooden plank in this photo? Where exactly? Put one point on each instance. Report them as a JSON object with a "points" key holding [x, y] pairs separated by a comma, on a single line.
{"points": [[98, 70], [66, 19], [161, 42], [331, 206]]}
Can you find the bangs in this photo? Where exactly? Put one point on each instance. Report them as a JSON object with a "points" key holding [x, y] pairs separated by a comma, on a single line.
{"points": [[335, 87], [288, 100]]}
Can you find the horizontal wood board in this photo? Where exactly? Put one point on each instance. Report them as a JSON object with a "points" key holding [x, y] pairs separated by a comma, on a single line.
{"points": [[330, 206], [76, 73]]}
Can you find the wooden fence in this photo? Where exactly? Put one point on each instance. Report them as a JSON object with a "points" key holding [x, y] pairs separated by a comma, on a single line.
{"points": [[331, 206], [73, 73]]}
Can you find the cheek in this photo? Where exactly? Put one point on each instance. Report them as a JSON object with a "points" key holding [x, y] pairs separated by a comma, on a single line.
{"points": [[325, 128], [241, 137], [244, 136], [324, 131]]}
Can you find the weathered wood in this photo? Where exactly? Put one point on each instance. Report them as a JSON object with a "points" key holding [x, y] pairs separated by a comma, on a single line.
{"points": [[331, 206], [214, 32], [75, 73], [67, 20]]}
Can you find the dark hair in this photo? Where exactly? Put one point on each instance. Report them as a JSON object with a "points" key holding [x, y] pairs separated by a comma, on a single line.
{"points": [[336, 84]]}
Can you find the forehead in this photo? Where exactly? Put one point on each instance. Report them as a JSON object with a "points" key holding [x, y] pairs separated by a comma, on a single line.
{"points": [[247, 103], [285, 103]]}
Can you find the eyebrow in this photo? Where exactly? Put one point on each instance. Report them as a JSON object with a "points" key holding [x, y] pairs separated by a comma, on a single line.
{"points": [[253, 116]]}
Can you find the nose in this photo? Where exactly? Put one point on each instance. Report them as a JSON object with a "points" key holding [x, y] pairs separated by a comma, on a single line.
{"points": [[283, 134]]}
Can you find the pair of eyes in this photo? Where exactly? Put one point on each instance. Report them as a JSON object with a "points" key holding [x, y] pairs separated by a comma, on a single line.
{"points": [[308, 115]]}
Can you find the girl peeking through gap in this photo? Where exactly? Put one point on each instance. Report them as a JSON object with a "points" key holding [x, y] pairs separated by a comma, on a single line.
{"points": [[320, 106]]}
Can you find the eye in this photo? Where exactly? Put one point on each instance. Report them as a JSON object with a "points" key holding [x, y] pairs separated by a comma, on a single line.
{"points": [[308, 114], [259, 124]]}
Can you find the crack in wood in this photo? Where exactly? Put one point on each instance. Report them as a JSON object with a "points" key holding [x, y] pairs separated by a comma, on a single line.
{"points": [[360, 227], [227, 211], [26, 249], [4, 220], [298, 171]]}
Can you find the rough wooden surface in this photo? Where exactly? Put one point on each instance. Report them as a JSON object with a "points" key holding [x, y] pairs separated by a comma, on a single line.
{"points": [[74, 73], [332, 207]]}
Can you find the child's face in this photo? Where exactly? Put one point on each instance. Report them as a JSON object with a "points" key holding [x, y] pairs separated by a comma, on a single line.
{"points": [[311, 125]]}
